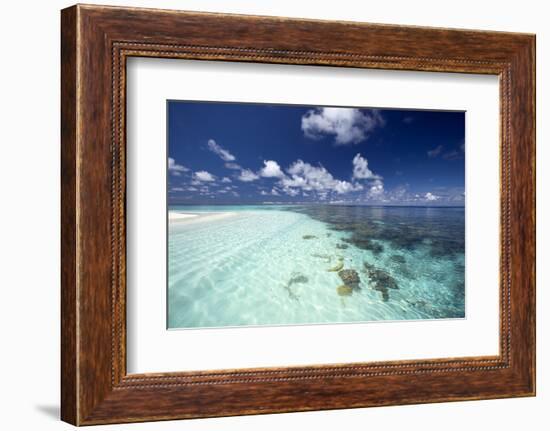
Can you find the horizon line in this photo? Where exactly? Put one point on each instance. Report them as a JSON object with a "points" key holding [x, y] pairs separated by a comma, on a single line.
{"points": [[315, 203]]}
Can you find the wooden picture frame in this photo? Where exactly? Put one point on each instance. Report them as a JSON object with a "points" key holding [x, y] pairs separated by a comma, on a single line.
{"points": [[95, 43]]}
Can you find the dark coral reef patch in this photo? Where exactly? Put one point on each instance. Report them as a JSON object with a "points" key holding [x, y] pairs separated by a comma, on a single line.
{"points": [[380, 280]]}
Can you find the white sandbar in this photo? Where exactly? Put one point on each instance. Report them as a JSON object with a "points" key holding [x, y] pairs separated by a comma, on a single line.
{"points": [[178, 217]]}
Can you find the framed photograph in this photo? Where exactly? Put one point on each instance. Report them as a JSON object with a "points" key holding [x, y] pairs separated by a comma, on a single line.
{"points": [[266, 215]]}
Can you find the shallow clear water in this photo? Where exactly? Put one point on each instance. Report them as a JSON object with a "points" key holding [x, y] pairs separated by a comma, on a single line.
{"points": [[271, 265]]}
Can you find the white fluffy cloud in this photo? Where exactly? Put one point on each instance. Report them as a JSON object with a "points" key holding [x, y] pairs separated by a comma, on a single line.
{"points": [[376, 189], [247, 175], [226, 180], [204, 176], [347, 125], [431, 197], [174, 168], [292, 192], [361, 169], [271, 169], [224, 154], [305, 177], [403, 195]]}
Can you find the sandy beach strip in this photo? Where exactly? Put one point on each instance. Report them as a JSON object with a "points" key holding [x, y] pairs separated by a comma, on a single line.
{"points": [[180, 217]]}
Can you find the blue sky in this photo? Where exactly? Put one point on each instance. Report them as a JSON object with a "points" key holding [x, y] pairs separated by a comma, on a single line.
{"points": [[235, 153]]}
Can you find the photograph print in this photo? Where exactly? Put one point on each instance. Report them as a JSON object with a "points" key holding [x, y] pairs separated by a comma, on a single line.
{"points": [[294, 215]]}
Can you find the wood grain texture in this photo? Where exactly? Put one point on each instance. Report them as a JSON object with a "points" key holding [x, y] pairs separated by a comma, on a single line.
{"points": [[96, 41]]}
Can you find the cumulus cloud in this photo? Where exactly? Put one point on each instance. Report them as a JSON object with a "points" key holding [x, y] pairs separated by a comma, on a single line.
{"points": [[271, 169], [346, 187], [361, 169], [305, 177], [431, 197], [174, 168], [224, 154], [436, 151], [402, 194], [376, 189], [347, 125], [292, 192], [247, 175], [204, 176], [226, 180], [399, 194]]}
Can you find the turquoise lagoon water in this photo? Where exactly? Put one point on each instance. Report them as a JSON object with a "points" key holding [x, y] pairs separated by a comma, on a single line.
{"points": [[280, 265]]}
